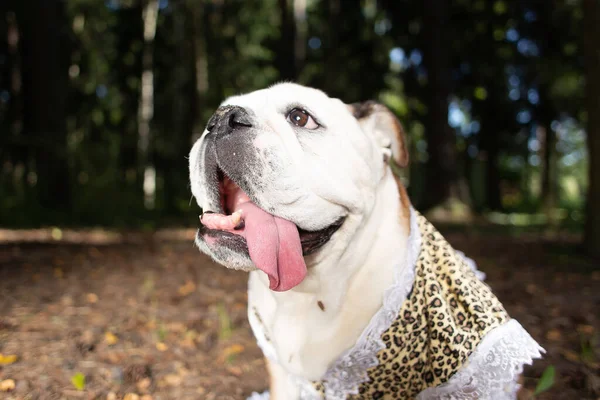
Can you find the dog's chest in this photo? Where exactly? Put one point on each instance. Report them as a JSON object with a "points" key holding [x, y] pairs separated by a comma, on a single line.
{"points": [[307, 335]]}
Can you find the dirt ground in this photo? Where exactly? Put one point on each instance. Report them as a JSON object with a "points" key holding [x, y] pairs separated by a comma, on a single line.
{"points": [[91, 315]]}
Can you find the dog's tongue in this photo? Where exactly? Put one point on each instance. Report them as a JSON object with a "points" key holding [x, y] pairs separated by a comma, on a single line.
{"points": [[274, 245]]}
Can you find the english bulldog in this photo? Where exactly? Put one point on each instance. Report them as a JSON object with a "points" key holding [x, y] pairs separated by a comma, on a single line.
{"points": [[352, 293]]}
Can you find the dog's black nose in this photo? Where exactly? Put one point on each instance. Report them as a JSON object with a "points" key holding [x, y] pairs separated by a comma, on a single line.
{"points": [[228, 119], [238, 117]]}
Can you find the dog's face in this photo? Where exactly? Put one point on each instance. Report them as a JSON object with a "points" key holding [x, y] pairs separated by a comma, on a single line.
{"points": [[278, 170]]}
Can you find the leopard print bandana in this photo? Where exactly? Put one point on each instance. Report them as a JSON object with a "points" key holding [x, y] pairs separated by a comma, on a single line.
{"points": [[445, 316]]}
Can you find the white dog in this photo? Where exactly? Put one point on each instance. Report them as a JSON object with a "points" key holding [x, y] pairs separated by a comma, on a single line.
{"points": [[352, 293]]}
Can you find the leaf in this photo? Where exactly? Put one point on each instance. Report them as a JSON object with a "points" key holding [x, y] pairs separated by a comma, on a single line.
{"points": [[230, 352], [587, 351], [480, 93], [92, 298], [553, 335], [187, 289], [56, 233], [7, 385], [78, 380], [173, 380], [546, 381], [224, 322], [160, 346], [571, 355], [7, 359], [110, 338]]}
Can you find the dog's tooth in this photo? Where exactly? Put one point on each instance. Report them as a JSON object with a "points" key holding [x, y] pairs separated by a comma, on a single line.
{"points": [[236, 217]]}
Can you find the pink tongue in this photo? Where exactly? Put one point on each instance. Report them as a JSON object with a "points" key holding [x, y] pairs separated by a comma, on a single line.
{"points": [[274, 245]]}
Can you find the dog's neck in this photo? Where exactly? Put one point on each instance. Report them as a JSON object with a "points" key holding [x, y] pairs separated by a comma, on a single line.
{"points": [[313, 324]]}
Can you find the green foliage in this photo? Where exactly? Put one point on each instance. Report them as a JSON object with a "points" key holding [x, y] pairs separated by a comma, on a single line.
{"points": [[225, 328], [207, 50], [78, 381], [546, 381]]}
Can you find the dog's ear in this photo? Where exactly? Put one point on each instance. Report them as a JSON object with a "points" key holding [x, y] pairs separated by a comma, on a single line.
{"points": [[377, 119]]}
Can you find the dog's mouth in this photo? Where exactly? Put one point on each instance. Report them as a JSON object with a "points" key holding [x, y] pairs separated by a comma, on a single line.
{"points": [[275, 245]]}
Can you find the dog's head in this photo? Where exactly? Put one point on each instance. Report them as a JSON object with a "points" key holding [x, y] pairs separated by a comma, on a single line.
{"points": [[277, 171]]}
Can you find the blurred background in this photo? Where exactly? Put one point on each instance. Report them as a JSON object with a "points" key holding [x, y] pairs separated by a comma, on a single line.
{"points": [[100, 102]]}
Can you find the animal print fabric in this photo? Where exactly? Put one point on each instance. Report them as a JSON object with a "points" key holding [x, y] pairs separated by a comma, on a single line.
{"points": [[443, 319]]}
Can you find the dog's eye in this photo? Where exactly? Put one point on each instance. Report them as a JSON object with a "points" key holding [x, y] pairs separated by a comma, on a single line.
{"points": [[301, 118]]}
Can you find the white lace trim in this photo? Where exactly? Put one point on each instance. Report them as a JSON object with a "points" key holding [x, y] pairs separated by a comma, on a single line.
{"points": [[350, 370], [259, 396], [492, 370], [471, 264]]}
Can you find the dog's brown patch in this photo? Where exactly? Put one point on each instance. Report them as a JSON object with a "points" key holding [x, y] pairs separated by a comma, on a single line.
{"points": [[391, 123], [404, 205]]}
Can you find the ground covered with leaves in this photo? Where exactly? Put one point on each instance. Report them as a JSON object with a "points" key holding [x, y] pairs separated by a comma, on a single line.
{"points": [[95, 315]]}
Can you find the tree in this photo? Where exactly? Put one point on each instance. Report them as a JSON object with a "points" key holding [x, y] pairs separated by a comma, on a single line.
{"points": [[286, 58], [591, 11], [146, 106], [442, 172], [45, 55]]}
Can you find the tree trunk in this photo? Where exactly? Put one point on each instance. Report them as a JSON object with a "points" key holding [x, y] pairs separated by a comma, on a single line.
{"points": [[45, 61], [286, 59], [493, 195], [591, 12], [332, 58], [200, 66], [549, 194], [549, 173], [441, 169], [146, 106], [301, 27], [549, 47], [12, 75]]}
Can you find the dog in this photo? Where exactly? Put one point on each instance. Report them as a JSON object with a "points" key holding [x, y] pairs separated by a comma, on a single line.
{"points": [[352, 294]]}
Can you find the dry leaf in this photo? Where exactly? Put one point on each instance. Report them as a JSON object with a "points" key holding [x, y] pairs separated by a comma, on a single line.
{"points": [[160, 346], [176, 327], [110, 338], [186, 289], [173, 380], [7, 385], [553, 335], [131, 396], [7, 359], [114, 358], [111, 396], [56, 233], [146, 397], [586, 329], [571, 355], [92, 298], [232, 350], [143, 384], [236, 371], [188, 342]]}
